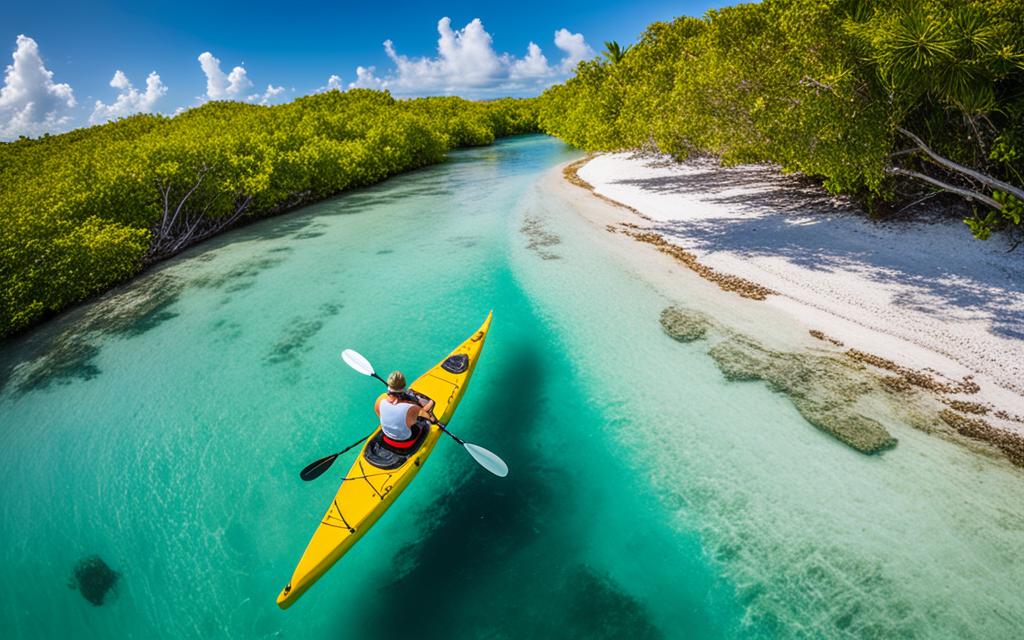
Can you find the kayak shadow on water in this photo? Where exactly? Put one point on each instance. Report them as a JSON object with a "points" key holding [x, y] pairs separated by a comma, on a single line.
{"points": [[496, 561]]}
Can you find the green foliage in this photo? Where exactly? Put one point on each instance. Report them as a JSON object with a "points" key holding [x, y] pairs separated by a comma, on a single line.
{"points": [[816, 86], [1011, 213], [615, 52], [82, 211]]}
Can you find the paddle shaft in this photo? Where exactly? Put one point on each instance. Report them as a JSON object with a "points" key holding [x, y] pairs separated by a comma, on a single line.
{"points": [[445, 429]]}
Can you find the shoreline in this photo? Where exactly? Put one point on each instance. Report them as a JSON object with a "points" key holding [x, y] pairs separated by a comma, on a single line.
{"points": [[968, 387]]}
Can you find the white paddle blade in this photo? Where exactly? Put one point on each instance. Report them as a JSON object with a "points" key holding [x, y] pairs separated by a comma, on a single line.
{"points": [[488, 460], [357, 362]]}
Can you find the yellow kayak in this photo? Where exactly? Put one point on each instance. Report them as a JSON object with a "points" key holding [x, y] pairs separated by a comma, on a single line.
{"points": [[368, 490]]}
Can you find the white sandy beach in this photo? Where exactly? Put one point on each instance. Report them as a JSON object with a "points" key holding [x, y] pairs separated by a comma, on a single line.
{"points": [[924, 294]]}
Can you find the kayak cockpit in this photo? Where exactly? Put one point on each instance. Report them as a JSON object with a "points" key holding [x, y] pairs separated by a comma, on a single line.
{"points": [[382, 456]]}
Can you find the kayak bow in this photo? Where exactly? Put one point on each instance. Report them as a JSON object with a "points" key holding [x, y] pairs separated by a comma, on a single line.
{"points": [[368, 491]]}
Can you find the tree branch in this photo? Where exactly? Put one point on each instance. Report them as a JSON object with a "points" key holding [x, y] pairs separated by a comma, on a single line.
{"points": [[202, 175], [989, 181], [966, 193]]}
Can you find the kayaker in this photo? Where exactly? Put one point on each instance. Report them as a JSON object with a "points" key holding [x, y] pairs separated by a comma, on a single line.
{"points": [[401, 412]]}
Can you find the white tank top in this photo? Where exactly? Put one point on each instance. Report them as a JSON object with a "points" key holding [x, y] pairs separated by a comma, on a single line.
{"points": [[392, 420]]}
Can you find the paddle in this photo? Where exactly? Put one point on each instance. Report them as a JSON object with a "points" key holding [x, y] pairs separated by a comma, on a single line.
{"points": [[316, 469], [484, 458]]}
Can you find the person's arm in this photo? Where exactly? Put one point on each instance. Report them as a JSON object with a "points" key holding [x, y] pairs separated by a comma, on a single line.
{"points": [[376, 405], [425, 403], [427, 410]]}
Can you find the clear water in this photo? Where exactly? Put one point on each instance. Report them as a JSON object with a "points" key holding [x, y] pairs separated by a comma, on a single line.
{"points": [[169, 441]]}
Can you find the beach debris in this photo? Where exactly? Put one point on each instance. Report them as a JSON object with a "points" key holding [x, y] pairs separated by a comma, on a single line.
{"points": [[821, 335], [824, 389], [1010, 443], [683, 325], [914, 377], [964, 406], [726, 282], [93, 578], [570, 171], [1006, 415]]}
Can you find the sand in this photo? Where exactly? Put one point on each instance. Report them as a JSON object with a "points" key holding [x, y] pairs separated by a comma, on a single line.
{"points": [[920, 296]]}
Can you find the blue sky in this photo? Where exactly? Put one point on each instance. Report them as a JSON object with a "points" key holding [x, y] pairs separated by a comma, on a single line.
{"points": [[285, 50]]}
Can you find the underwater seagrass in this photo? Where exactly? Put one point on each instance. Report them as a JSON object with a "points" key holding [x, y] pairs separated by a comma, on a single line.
{"points": [[94, 579]]}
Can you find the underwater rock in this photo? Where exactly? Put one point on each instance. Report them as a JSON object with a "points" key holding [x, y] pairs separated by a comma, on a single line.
{"points": [[823, 388], [94, 579], [684, 326], [861, 433]]}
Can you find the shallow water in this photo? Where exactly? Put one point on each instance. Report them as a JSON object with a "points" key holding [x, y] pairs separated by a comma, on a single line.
{"points": [[167, 441]]}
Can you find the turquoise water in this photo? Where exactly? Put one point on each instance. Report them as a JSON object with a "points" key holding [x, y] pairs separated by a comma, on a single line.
{"points": [[163, 429]]}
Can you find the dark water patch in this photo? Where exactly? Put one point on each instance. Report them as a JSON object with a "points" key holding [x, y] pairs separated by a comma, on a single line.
{"points": [[479, 528], [63, 356], [281, 250], [384, 252], [307, 235], [68, 360], [295, 342], [151, 321], [141, 308], [241, 276], [465, 242], [598, 608], [275, 228], [392, 193], [240, 285], [94, 579], [329, 309], [539, 240], [227, 330], [152, 317], [206, 256]]}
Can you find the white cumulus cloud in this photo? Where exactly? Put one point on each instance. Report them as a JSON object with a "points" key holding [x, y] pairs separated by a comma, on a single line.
{"points": [[467, 64], [333, 82], [365, 79], [130, 100], [465, 59], [31, 103], [268, 95], [575, 48], [534, 65], [220, 85]]}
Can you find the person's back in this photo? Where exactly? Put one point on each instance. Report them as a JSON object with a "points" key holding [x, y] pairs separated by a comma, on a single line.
{"points": [[399, 418], [394, 418]]}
